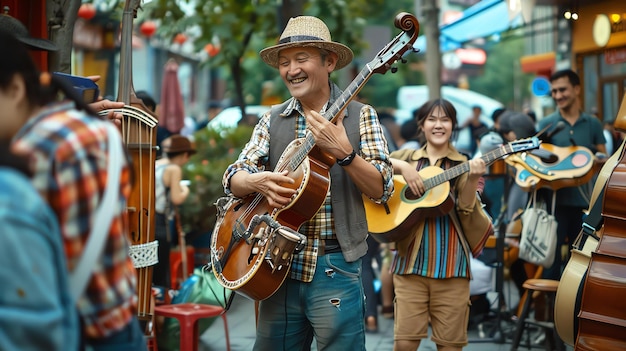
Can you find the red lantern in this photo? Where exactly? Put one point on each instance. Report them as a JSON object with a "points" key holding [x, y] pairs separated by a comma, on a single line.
{"points": [[211, 49], [87, 11], [180, 38], [148, 28]]}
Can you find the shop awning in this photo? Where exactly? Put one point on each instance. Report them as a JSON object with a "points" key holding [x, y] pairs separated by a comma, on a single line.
{"points": [[485, 18], [540, 64]]}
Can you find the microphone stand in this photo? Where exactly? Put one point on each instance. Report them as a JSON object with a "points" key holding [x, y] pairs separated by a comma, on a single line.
{"points": [[495, 332]]}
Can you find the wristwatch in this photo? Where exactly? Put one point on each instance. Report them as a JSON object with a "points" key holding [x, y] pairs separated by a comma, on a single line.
{"points": [[346, 160]]}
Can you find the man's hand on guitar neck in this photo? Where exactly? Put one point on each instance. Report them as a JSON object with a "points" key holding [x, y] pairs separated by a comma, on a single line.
{"points": [[333, 139], [330, 137], [268, 184]]}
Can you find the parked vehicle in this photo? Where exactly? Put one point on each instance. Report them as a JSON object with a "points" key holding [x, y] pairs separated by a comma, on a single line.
{"points": [[230, 116]]}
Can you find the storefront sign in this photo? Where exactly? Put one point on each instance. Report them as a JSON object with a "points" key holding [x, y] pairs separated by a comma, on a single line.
{"points": [[614, 56], [87, 36], [540, 86]]}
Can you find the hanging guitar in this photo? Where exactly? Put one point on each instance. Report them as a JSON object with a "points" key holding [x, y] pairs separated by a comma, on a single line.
{"points": [[572, 166], [392, 221], [138, 129], [253, 243]]}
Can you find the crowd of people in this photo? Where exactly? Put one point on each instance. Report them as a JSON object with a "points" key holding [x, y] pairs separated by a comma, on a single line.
{"points": [[58, 154]]}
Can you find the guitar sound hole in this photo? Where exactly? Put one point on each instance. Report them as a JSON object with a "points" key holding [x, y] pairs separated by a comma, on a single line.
{"points": [[410, 195]]}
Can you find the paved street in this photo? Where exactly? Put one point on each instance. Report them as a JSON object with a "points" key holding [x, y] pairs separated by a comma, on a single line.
{"points": [[241, 327]]}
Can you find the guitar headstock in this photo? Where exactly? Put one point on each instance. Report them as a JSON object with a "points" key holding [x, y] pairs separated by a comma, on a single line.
{"points": [[403, 42], [524, 144]]}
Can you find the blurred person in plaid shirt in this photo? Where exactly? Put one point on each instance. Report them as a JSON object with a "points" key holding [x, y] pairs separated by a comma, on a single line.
{"points": [[66, 144]]}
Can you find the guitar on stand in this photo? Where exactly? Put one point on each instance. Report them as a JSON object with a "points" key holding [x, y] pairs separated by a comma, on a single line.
{"points": [[253, 243], [553, 167]]}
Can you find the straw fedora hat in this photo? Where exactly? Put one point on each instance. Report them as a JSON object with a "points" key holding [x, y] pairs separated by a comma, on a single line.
{"points": [[177, 143], [18, 30], [303, 31]]}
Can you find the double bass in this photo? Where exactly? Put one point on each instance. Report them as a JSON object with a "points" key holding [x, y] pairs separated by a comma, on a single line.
{"points": [[602, 316], [138, 129]]}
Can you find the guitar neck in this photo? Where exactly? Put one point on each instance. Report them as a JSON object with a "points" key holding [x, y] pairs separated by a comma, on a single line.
{"points": [[332, 113], [126, 58], [464, 167]]}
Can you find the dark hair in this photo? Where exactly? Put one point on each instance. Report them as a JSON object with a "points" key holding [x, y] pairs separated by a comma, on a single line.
{"points": [[12, 160], [518, 122], [571, 75], [429, 106], [409, 129], [20, 62], [384, 115], [497, 113], [147, 99]]}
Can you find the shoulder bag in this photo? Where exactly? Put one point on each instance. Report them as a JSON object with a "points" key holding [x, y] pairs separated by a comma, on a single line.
{"points": [[538, 242]]}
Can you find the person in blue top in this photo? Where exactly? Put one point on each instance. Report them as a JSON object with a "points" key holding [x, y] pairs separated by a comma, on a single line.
{"points": [[581, 129], [36, 309]]}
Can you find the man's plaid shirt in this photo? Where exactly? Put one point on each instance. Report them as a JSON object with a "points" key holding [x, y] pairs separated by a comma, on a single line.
{"points": [[373, 148]]}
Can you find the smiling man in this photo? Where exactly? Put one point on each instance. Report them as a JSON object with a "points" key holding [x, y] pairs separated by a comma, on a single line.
{"points": [[581, 129], [323, 294]]}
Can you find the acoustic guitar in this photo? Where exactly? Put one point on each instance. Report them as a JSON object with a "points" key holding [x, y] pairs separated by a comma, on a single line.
{"points": [[244, 254], [569, 292], [573, 167], [393, 221]]}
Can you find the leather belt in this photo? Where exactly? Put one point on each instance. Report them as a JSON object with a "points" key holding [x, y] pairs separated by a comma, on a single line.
{"points": [[328, 246]]}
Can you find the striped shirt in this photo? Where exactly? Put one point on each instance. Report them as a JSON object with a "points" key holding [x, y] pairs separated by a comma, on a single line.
{"points": [[372, 148], [439, 251], [68, 154]]}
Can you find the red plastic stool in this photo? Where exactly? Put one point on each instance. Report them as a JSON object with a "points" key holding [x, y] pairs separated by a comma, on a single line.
{"points": [[151, 343], [188, 315]]}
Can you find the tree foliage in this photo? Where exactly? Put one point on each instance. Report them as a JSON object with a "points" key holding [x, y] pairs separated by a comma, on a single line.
{"points": [[241, 28], [501, 77]]}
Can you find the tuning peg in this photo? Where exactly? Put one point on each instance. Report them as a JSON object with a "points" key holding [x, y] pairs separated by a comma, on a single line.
{"points": [[394, 69], [403, 60]]}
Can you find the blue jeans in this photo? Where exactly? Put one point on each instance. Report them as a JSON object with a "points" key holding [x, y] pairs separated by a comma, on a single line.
{"points": [[131, 338], [331, 308]]}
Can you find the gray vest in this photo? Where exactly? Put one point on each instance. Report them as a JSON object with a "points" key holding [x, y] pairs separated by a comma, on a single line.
{"points": [[347, 204]]}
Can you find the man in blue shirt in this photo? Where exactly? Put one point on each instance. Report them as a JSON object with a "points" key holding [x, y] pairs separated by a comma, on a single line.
{"points": [[581, 129]]}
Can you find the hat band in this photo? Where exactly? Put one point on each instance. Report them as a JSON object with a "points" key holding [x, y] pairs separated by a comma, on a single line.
{"points": [[299, 38]]}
